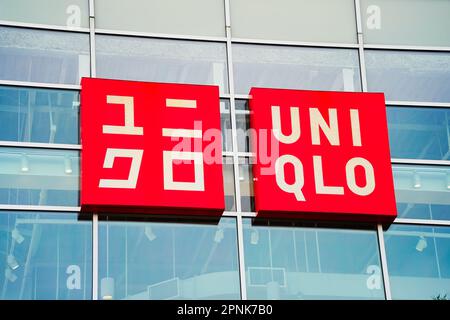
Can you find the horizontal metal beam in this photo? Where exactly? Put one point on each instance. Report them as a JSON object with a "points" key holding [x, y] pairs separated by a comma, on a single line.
{"points": [[40, 145], [159, 35], [42, 26], [40, 85], [295, 43]]}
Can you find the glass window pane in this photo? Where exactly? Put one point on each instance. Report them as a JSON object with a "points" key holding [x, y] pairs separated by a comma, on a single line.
{"points": [[68, 13], [39, 177], [39, 115], [409, 76], [418, 263], [295, 68], [311, 263], [156, 261], [225, 122], [419, 133], [406, 22], [43, 56], [243, 125], [132, 58], [246, 185], [422, 192], [193, 17], [228, 180], [296, 20], [45, 256]]}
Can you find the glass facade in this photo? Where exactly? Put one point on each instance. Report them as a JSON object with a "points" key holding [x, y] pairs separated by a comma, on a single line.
{"points": [[45, 256], [311, 263], [46, 244], [168, 260]]}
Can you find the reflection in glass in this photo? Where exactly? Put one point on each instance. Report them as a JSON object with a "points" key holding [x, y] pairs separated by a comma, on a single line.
{"points": [[409, 75], [406, 22], [246, 185], [43, 56], [228, 180], [39, 115], [311, 263], [45, 256], [422, 192], [243, 125], [294, 20], [419, 133], [158, 261], [39, 177], [132, 58], [162, 16], [225, 123], [72, 14], [295, 68], [418, 261]]}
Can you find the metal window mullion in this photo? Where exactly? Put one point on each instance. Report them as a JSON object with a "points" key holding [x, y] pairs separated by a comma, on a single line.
{"points": [[421, 162], [91, 9], [39, 85], [92, 45], [95, 256], [420, 104], [384, 266], [240, 232], [46, 27], [360, 38], [38, 145], [159, 35], [294, 43]]}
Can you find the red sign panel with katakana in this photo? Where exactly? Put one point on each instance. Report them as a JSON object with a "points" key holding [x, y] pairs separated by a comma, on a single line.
{"points": [[150, 147]]}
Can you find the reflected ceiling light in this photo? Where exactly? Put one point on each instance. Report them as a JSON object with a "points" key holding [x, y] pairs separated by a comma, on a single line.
{"points": [[241, 173], [219, 235], [16, 235], [421, 244], [10, 275], [67, 165], [107, 288], [448, 180], [24, 163], [254, 237], [12, 262], [149, 233], [417, 181], [51, 139]]}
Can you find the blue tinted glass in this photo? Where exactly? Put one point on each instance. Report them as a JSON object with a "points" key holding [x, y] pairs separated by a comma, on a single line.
{"points": [[295, 68], [228, 181], [45, 256], [39, 177], [419, 133], [409, 76], [311, 263], [39, 115], [43, 56], [168, 260], [422, 192], [246, 185], [175, 61], [418, 261], [225, 125]]}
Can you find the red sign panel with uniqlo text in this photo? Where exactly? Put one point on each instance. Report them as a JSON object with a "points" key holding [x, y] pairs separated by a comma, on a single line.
{"points": [[150, 147], [321, 155]]}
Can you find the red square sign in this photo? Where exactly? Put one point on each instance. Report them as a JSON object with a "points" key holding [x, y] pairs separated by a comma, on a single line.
{"points": [[150, 147], [321, 155]]}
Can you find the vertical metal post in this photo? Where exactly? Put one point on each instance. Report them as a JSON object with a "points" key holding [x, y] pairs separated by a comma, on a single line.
{"points": [[240, 231], [95, 256], [360, 38], [384, 267]]}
